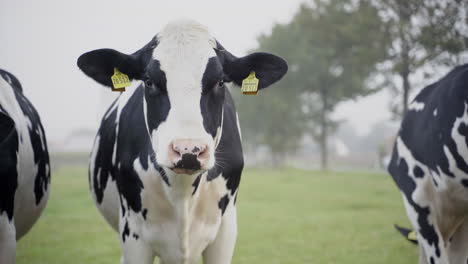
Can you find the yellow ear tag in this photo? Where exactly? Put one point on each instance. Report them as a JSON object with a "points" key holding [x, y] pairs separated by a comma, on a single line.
{"points": [[412, 236], [119, 81], [250, 84]]}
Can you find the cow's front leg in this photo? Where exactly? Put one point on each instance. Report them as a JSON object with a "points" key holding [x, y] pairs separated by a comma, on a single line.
{"points": [[222, 248], [7, 240], [134, 249], [430, 240]]}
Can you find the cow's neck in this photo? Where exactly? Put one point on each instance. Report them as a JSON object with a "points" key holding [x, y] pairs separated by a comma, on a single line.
{"points": [[180, 192], [181, 186]]}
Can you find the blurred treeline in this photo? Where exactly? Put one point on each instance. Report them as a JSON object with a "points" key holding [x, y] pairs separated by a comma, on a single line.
{"points": [[340, 50]]}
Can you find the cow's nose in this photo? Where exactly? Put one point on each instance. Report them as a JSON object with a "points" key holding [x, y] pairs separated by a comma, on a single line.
{"points": [[188, 155]]}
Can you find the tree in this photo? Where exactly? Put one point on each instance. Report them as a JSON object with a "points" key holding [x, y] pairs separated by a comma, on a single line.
{"points": [[339, 45], [274, 117], [423, 33], [332, 48]]}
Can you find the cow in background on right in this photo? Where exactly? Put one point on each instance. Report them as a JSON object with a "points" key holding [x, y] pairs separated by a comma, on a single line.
{"points": [[430, 167]]}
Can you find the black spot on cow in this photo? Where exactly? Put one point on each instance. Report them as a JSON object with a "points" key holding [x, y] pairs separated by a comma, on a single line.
{"points": [[212, 101], [418, 172], [8, 162], [136, 236], [195, 184], [195, 150], [465, 183], [122, 207], [125, 232], [435, 182], [144, 213], [163, 174], [432, 260], [223, 202]]}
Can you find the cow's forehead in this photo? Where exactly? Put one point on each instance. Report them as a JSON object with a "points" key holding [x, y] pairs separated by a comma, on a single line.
{"points": [[184, 47]]}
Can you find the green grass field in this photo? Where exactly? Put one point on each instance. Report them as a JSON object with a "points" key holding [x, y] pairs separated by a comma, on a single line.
{"points": [[286, 216]]}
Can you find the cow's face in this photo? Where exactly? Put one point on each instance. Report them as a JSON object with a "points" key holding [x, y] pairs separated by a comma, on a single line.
{"points": [[184, 71]]}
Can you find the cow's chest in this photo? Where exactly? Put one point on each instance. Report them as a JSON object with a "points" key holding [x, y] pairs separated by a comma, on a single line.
{"points": [[181, 219]]}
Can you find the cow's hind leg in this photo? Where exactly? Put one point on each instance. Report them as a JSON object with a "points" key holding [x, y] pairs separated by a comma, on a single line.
{"points": [[7, 240], [222, 248]]}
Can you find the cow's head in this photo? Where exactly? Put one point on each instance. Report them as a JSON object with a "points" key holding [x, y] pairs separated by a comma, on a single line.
{"points": [[184, 71]]}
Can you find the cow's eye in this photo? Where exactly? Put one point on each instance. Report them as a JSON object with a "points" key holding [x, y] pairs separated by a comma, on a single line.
{"points": [[148, 83]]}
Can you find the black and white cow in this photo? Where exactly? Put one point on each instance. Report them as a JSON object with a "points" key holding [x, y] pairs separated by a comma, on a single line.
{"points": [[24, 166], [167, 159], [430, 166]]}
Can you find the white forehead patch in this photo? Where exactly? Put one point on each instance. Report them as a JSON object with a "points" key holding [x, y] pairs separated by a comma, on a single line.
{"points": [[184, 39], [183, 31], [183, 51]]}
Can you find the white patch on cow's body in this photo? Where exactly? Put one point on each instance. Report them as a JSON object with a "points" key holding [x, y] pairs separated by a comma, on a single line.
{"points": [[460, 142], [219, 131], [416, 106], [7, 239], [183, 52], [435, 112], [238, 126], [92, 164], [26, 211]]}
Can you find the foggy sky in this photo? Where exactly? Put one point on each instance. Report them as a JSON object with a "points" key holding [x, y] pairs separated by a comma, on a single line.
{"points": [[41, 41]]}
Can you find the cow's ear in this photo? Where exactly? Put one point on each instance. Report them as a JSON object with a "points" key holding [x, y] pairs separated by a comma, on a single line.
{"points": [[99, 65], [268, 68]]}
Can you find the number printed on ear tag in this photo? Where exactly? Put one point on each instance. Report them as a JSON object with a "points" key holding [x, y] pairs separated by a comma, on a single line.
{"points": [[119, 81], [250, 84]]}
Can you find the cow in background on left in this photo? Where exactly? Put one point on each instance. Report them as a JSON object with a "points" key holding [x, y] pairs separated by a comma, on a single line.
{"points": [[24, 166]]}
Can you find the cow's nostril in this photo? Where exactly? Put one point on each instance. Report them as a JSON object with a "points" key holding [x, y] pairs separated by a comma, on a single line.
{"points": [[203, 153], [176, 151]]}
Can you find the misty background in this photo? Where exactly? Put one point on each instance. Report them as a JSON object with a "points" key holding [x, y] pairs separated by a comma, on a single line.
{"points": [[41, 41]]}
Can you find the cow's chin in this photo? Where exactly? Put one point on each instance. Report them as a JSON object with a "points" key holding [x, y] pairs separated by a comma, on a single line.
{"points": [[181, 171]]}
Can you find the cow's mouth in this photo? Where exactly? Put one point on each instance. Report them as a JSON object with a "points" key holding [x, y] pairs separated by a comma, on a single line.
{"points": [[184, 171], [188, 164]]}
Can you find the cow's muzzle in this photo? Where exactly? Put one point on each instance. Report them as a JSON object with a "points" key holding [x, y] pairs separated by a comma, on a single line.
{"points": [[188, 156]]}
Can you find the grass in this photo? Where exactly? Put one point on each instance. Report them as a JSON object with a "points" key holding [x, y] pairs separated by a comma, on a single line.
{"points": [[286, 216]]}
